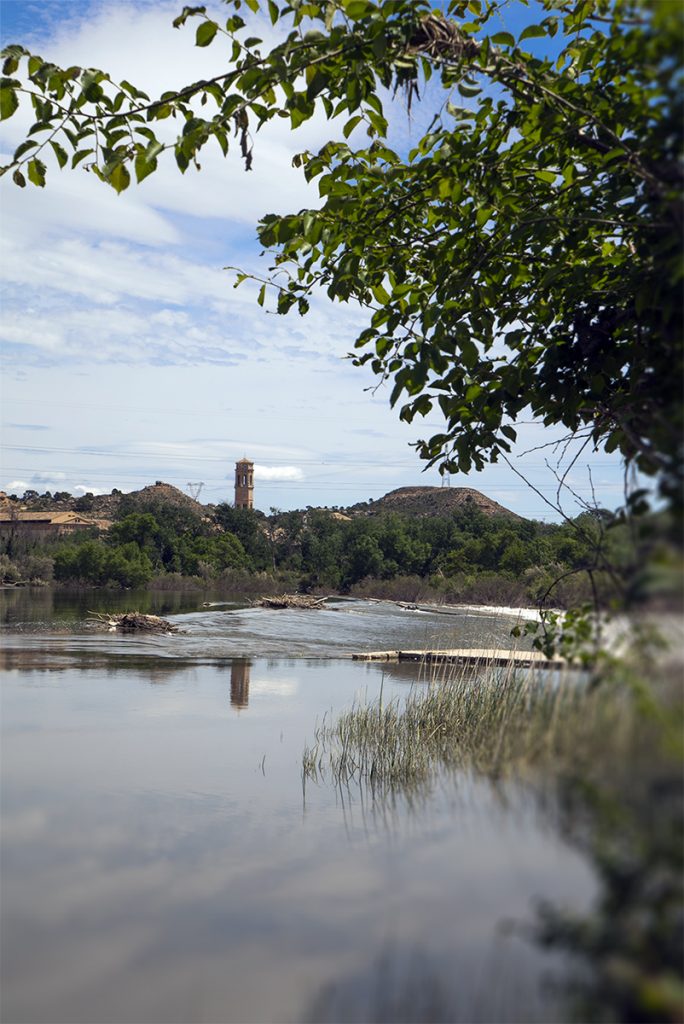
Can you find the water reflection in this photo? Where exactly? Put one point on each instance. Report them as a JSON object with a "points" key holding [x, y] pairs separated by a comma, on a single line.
{"points": [[56, 658], [28, 608], [406, 986], [157, 865], [239, 683]]}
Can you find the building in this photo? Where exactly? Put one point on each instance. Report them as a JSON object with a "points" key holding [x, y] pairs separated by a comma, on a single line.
{"points": [[244, 484], [46, 525]]}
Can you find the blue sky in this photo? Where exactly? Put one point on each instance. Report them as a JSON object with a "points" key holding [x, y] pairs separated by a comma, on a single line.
{"points": [[129, 357]]}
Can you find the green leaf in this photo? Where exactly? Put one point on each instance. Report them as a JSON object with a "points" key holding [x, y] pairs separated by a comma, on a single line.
{"points": [[59, 152], [186, 13], [357, 9], [503, 39], [468, 90], [8, 101], [351, 125], [36, 172], [81, 155], [205, 33], [273, 11], [119, 178], [12, 54], [469, 353], [380, 294], [549, 176], [253, 5], [24, 148], [144, 165], [532, 32]]}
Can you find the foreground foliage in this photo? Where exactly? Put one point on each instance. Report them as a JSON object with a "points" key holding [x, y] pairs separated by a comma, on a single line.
{"points": [[525, 253]]}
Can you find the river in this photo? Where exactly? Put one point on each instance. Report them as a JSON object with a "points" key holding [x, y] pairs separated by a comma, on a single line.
{"points": [[161, 861]]}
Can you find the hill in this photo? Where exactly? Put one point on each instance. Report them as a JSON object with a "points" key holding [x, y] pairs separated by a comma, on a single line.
{"points": [[160, 493], [431, 501], [412, 501], [106, 506]]}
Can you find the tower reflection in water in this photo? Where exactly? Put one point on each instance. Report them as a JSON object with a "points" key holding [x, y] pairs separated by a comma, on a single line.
{"points": [[239, 683]]}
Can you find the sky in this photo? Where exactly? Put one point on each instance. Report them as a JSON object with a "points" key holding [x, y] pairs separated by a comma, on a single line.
{"points": [[128, 355]]}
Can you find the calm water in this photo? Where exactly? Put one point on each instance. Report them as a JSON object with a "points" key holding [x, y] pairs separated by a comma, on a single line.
{"points": [[160, 861]]}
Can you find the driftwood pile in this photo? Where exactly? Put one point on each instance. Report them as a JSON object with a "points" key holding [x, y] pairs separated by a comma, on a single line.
{"points": [[134, 622], [292, 601]]}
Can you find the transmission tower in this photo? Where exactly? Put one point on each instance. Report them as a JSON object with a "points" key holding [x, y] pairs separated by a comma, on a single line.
{"points": [[446, 481], [195, 489]]}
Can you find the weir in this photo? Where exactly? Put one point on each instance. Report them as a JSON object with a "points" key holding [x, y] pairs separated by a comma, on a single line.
{"points": [[454, 656]]}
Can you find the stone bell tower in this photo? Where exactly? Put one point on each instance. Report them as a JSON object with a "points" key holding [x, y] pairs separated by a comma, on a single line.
{"points": [[244, 484]]}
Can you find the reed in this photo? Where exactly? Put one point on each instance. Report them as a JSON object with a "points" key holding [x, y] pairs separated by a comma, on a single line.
{"points": [[496, 721]]}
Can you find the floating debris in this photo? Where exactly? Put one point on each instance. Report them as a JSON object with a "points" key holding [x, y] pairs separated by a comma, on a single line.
{"points": [[292, 601], [134, 622]]}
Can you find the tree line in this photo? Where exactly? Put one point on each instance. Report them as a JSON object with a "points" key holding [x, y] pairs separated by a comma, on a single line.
{"points": [[466, 555]]}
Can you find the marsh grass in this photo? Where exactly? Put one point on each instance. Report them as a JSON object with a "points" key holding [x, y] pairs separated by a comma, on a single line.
{"points": [[496, 722]]}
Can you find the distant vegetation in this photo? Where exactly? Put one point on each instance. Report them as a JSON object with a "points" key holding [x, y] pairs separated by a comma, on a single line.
{"points": [[466, 555]]}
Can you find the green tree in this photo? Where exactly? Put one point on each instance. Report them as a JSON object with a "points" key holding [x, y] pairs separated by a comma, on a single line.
{"points": [[364, 558], [220, 552], [140, 527], [96, 563], [525, 253], [321, 546], [247, 525], [126, 565]]}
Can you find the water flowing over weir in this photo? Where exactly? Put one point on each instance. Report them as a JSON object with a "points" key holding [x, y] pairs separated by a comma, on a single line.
{"points": [[223, 629], [161, 862]]}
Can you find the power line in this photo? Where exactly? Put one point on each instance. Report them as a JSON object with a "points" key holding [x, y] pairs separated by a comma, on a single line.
{"points": [[330, 461]]}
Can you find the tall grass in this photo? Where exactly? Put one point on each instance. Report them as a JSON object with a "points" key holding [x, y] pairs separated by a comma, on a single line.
{"points": [[495, 722]]}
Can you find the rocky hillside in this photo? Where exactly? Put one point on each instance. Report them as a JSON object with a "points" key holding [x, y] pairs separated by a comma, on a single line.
{"points": [[413, 501], [168, 494], [431, 501], [106, 506]]}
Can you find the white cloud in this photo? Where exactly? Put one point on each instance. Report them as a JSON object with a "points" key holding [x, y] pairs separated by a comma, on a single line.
{"points": [[143, 47], [108, 302], [98, 278], [17, 486], [105, 272], [88, 489], [73, 202], [277, 473]]}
